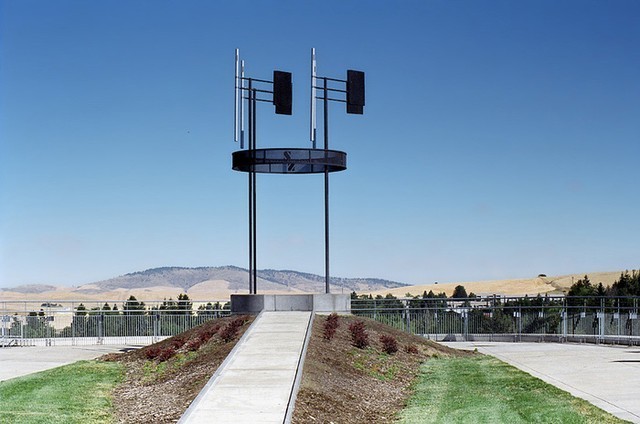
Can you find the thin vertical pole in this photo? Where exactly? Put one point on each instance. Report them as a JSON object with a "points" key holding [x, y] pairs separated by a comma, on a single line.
{"points": [[250, 117], [326, 191], [255, 248]]}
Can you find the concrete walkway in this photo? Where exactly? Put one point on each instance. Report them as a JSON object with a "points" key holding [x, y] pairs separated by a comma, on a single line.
{"points": [[606, 376], [256, 382], [17, 361]]}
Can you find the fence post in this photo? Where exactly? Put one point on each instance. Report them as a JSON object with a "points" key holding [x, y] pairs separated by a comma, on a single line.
{"points": [[155, 327], [601, 321], [407, 318], [565, 317], [375, 310], [466, 324]]}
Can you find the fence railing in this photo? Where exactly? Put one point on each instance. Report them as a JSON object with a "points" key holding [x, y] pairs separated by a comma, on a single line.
{"points": [[28, 323], [582, 319], [597, 320]]}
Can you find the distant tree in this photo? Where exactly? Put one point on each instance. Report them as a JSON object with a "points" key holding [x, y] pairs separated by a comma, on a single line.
{"points": [[184, 304], [132, 307], [627, 284], [81, 310], [167, 307], [434, 300], [37, 325], [582, 288], [212, 310], [459, 292]]}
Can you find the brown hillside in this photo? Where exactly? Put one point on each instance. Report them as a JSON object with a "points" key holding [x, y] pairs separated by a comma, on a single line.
{"points": [[514, 287]]}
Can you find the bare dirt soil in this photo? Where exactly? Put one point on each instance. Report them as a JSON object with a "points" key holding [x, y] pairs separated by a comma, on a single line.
{"points": [[344, 384], [164, 378], [340, 384]]}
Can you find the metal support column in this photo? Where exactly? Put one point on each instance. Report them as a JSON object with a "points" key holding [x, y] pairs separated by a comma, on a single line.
{"points": [[251, 188], [327, 288], [253, 174]]}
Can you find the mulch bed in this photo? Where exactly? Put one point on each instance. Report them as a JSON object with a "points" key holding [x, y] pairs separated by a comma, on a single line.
{"points": [[340, 384]]}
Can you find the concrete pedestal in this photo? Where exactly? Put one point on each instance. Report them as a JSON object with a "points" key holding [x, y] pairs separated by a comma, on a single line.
{"points": [[323, 303]]}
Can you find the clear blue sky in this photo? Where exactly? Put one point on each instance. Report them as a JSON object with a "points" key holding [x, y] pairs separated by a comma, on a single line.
{"points": [[500, 139]]}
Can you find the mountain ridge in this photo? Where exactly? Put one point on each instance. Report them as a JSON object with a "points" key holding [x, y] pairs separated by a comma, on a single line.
{"points": [[218, 281]]}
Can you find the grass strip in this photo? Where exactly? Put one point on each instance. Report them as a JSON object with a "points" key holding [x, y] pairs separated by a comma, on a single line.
{"points": [[482, 389], [75, 393]]}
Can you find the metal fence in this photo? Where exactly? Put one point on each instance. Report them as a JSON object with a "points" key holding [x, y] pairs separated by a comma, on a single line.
{"points": [[559, 319], [28, 323]]}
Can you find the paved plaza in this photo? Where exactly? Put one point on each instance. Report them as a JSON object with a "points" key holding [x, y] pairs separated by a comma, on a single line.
{"points": [[17, 361], [606, 376]]}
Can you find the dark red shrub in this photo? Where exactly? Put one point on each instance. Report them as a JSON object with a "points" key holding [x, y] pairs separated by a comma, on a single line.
{"points": [[229, 331], [166, 353], [389, 344], [177, 342], [194, 344], [412, 349], [331, 324], [359, 336], [151, 352]]}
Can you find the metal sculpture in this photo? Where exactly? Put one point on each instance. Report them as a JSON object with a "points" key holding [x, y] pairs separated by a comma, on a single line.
{"points": [[288, 160]]}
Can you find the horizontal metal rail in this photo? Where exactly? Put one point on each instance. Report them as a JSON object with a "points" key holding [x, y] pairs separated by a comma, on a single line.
{"points": [[594, 320], [29, 323]]}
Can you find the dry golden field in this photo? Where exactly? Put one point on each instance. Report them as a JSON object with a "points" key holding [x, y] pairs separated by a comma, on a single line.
{"points": [[220, 289]]}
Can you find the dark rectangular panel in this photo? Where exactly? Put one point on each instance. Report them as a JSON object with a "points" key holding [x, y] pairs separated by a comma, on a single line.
{"points": [[282, 92], [355, 91]]}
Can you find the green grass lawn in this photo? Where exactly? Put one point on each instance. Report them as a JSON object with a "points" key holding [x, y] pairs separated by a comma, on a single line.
{"points": [[76, 393], [482, 389]]}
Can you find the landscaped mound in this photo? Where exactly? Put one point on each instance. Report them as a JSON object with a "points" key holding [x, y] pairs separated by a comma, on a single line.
{"points": [[356, 370], [360, 371], [164, 378]]}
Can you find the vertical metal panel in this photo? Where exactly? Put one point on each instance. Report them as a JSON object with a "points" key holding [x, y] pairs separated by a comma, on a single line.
{"points": [[313, 98]]}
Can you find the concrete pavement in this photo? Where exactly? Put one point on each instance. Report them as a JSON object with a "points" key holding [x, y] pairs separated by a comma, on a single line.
{"points": [[256, 383], [606, 376], [17, 361]]}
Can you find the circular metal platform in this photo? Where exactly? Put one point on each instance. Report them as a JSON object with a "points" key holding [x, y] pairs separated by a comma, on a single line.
{"points": [[289, 161]]}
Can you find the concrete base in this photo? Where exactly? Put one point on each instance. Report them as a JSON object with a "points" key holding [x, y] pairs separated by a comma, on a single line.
{"points": [[256, 303]]}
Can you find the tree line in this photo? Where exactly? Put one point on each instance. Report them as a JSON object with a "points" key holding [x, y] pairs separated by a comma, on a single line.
{"points": [[628, 285]]}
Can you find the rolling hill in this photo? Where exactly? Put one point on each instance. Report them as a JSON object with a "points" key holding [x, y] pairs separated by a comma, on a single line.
{"points": [[218, 283], [203, 283], [557, 285]]}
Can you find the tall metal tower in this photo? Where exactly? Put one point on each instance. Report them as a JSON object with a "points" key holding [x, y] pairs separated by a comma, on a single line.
{"points": [[254, 160]]}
